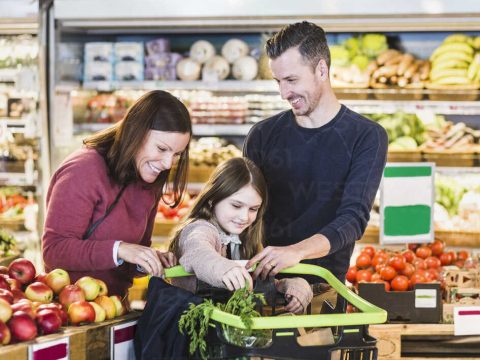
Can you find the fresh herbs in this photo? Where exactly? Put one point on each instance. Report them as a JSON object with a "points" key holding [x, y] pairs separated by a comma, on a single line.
{"points": [[195, 321], [7, 242]]}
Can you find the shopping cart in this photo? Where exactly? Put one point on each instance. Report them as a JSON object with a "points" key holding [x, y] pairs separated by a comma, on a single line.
{"points": [[350, 330]]}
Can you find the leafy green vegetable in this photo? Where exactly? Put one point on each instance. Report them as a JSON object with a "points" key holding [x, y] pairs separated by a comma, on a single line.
{"points": [[195, 321], [7, 242], [449, 193]]}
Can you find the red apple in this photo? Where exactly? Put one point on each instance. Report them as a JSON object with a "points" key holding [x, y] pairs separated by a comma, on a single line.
{"points": [[6, 295], [103, 287], [57, 279], [40, 292], [4, 334], [18, 295], [90, 287], [81, 312], [5, 311], [22, 326], [4, 283], [40, 277], [99, 311], [25, 307], [22, 270], [70, 294], [48, 321], [120, 309], [58, 308], [14, 284], [3, 270], [108, 305]]}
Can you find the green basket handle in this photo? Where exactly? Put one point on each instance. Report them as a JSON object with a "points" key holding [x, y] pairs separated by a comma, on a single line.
{"points": [[370, 314]]}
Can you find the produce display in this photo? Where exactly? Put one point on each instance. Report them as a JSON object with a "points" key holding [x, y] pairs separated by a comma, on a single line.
{"points": [[400, 271], [211, 151], [456, 62], [12, 202], [165, 212], [34, 304]]}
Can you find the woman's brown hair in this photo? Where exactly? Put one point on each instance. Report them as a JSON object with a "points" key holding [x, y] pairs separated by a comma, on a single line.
{"points": [[119, 144], [228, 178]]}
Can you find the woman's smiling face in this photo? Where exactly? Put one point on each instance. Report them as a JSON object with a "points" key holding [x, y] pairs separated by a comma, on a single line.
{"points": [[160, 151]]}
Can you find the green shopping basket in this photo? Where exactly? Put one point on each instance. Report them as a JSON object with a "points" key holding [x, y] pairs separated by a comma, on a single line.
{"points": [[352, 340]]}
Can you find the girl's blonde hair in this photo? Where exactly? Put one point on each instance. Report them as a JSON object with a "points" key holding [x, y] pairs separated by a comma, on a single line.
{"points": [[228, 178]]}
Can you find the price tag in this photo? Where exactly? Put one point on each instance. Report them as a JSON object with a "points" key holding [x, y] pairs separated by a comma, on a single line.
{"points": [[121, 340], [425, 298], [51, 350], [407, 195], [466, 320]]}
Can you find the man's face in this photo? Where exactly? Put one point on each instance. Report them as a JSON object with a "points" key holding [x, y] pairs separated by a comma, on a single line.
{"points": [[298, 82]]}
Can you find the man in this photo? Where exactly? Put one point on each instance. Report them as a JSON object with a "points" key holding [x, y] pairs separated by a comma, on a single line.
{"points": [[322, 162]]}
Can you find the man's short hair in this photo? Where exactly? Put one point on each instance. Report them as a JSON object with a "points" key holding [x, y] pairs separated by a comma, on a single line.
{"points": [[308, 37]]}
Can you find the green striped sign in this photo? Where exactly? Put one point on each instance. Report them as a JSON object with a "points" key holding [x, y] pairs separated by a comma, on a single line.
{"points": [[406, 203]]}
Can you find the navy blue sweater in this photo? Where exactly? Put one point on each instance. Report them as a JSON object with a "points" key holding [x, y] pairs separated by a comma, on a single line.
{"points": [[321, 180]]}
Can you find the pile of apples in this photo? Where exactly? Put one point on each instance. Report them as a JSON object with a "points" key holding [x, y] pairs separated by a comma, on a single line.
{"points": [[32, 304], [400, 271]]}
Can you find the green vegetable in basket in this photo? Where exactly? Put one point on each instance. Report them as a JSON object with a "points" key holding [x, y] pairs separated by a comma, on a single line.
{"points": [[7, 242], [195, 321]]}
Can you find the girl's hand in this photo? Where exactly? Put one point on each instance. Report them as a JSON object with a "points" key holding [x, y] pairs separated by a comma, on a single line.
{"points": [[144, 256], [168, 259], [294, 305], [236, 278]]}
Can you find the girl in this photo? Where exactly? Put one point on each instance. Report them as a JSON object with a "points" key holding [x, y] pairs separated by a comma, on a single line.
{"points": [[224, 225]]}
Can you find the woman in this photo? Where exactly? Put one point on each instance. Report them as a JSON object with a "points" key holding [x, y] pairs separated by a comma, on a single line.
{"points": [[102, 201]]}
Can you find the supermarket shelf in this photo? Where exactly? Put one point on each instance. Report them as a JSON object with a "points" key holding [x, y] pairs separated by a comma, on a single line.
{"points": [[17, 179], [198, 129], [15, 125]]}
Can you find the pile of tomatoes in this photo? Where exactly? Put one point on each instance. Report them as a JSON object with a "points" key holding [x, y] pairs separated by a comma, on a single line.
{"points": [[400, 271]]}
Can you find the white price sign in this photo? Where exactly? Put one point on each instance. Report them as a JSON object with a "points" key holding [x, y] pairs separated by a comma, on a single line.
{"points": [[466, 320], [50, 350], [121, 340]]}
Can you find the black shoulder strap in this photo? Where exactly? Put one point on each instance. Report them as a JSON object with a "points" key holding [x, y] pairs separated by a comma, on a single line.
{"points": [[92, 227]]}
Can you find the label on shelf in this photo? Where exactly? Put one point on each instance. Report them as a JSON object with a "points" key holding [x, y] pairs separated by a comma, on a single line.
{"points": [[425, 298], [121, 340], [56, 349], [466, 320], [406, 203]]}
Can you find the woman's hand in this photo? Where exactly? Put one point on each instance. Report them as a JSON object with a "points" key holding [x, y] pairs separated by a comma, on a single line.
{"points": [[168, 259], [144, 256], [294, 305], [236, 278]]}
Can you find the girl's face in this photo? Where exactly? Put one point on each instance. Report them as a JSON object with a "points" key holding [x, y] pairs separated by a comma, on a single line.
{"points": [[238, 211], [160, 151]]}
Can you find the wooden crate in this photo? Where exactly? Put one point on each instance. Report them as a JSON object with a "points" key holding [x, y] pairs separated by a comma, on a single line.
{"points": [[455, 158], [86, 342], [404, 156], [164, 227], [459, 237], [199, 174], [420, 341], [462, 278]]}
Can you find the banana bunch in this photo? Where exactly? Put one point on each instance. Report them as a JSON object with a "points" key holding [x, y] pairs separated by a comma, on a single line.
{"points": [[394, 68], [456, 61]]}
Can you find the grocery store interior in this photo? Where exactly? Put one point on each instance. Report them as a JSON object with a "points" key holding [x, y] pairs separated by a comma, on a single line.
{"points": [[69, 68]]}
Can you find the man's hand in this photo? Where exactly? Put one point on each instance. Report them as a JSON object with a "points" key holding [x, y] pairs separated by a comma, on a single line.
{"points": [[273, 259], [294, 305], [168, 259]]}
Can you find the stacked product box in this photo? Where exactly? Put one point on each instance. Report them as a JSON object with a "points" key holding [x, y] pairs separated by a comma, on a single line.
{"points": [[160, 62], [128, 61], [98, 61]]}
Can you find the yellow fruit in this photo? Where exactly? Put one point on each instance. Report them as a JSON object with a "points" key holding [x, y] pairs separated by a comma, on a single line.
{"points": [[452, 47], [454, 55], [435, 75], [458, 38], [452, 80]]}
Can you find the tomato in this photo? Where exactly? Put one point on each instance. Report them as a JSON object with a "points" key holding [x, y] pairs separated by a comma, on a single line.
{"points": [[433, 262], [385, 283], [423, 252], [463, 255], [370, 250], [453, 255], [459, 263], [352, 274], [363, 260], [408, 270], [397, 262], [437, 247], [376, 276], [432, 275], [399, 283], [416, 278], [445, 259], [363, 275], [413, 247], [419, 264], [409, 255], [388, 273], [379, 259]]}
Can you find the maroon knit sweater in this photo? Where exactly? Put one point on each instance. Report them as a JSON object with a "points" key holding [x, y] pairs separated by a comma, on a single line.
{"points": [[80, 192]]}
